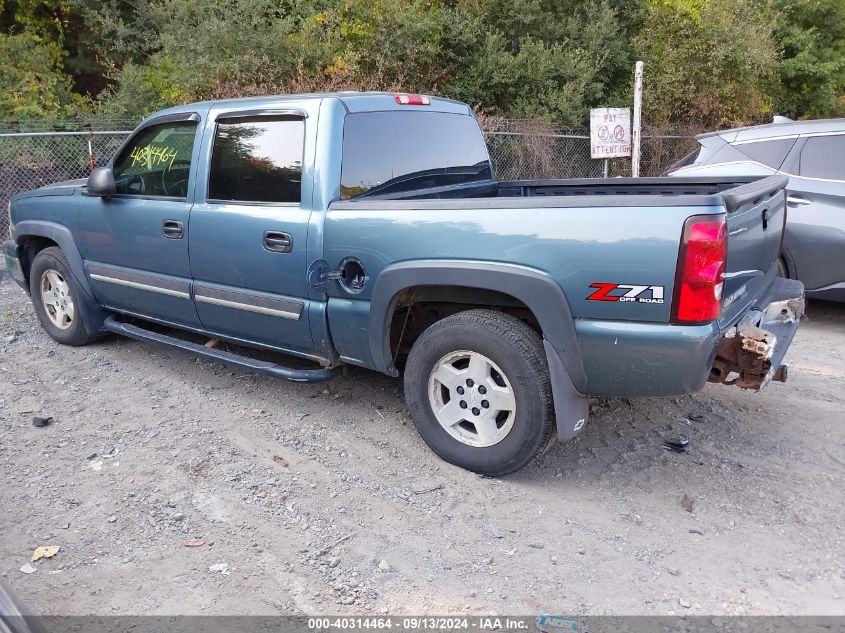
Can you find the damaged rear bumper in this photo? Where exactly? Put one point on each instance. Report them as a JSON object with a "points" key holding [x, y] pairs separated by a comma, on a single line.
{"points": [[750, 353]]}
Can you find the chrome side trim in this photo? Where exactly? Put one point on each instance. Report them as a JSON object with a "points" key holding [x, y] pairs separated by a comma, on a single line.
{"points": [[140, 286], [223, 337], [683, 171], [797, 200], [779, 137], [248, 307], [814, 178], [829, 133], [743, 273]]}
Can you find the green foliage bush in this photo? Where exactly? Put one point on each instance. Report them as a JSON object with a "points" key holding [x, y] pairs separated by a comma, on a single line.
{"points": [[708, 62], [34, 84]]}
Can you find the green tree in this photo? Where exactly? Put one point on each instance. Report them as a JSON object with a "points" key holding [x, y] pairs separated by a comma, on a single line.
{"points": [[33, 47], [34, 83], [542, 59], [708, 63], [812, 69]]}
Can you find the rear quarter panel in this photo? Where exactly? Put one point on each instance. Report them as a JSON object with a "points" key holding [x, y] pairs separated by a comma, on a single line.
{"points": [[627, 348], [577, 246]]}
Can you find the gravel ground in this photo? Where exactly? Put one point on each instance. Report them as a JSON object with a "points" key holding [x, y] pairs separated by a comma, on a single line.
{"points": [[322, 499]]}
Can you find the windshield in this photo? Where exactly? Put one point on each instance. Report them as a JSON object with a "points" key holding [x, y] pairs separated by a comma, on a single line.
{"points": [[391, 152]]}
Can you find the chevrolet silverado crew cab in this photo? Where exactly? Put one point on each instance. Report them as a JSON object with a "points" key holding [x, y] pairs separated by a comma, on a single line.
{"points": [[368, 229]]}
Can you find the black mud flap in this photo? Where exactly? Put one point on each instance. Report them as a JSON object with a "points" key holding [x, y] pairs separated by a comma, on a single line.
{"points": [[571, 407]]}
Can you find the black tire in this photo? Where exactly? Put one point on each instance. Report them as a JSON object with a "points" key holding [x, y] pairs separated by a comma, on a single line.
{"points": [[53, 258], [518, 351], [783, 271]]}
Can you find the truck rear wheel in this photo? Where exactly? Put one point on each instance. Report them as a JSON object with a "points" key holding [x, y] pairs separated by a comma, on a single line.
{"points": [[56, 299], [478, 389]]}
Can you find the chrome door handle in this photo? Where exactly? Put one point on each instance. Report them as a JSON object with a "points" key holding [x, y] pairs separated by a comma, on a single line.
{"points": [[172, 230], [278, 242]]}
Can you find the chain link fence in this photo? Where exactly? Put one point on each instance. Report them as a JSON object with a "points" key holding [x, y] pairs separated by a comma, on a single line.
{"points": [[519, 150], [534, 149], [523, 156], [33, 159]]}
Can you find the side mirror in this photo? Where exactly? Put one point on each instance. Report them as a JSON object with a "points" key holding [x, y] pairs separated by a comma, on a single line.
{"points": [[101, 183]]}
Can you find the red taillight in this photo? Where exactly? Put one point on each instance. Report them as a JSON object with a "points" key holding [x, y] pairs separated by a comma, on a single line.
{"points": [[413, 100], [701, 268]]}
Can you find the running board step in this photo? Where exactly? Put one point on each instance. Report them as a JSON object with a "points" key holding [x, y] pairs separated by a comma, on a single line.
{"points": [[244, 362]]}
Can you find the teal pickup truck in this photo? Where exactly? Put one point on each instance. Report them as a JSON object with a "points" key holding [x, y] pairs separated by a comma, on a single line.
{"points": [[369, 229]]}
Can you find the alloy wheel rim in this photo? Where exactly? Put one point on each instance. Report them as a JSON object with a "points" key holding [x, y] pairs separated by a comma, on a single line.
{"points": [[56, 299], [472, 398]]}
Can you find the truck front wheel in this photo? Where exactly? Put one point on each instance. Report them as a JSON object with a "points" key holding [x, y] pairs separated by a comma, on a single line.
{"points": [[478, 389], [56, 299]]}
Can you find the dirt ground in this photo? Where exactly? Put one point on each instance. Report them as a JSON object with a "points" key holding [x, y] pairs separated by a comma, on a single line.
{"points": [[322, 499]]}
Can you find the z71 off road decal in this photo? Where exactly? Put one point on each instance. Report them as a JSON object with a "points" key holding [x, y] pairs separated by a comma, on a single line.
{"points": [[630, 293]]}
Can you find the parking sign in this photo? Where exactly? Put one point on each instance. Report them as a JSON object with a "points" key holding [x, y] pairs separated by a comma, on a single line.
{"points": [[610, 132]]}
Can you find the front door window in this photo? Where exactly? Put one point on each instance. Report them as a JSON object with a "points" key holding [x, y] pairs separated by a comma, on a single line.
{"points": [[157, 161]]}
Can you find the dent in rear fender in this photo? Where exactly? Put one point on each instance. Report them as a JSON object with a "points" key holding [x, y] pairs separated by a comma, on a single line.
{"points": [[320, 334], [350, 330], [535, 289], [627, 359]]}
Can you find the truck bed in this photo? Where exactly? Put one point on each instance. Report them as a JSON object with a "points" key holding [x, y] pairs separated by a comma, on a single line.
{"points": [[623, 230], [733, 193], [660, 187]]}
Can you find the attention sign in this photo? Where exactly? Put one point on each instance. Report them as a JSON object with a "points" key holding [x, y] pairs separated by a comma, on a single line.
{"points": [[610, 132]]}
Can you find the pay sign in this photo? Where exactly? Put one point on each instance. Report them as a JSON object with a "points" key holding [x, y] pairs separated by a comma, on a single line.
{"points": [[610, 132]]}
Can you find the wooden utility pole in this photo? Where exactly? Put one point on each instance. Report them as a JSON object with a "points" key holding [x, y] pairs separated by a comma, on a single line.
{"points": [[635, 127]]}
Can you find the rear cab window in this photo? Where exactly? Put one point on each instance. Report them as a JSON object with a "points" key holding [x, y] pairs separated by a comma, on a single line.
{"points": [[393, 152]]}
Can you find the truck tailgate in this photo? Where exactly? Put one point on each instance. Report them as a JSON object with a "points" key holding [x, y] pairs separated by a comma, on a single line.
{"points": [[755, 221]]}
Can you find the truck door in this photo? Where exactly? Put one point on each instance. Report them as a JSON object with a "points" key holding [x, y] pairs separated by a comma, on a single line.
{"points": [[135, 244], [249, 230]]}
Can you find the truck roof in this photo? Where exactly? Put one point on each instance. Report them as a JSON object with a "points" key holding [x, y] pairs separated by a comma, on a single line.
{"points": [[781, 128], [353, 101]]}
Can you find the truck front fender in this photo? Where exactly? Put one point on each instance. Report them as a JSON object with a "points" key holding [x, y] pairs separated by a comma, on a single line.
{"points": [[92, 314], [539, 292]]}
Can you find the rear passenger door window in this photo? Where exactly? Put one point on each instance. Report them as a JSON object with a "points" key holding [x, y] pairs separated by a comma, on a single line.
{"points": [[770, 153], [157, 161], [257, 160], [823, 157]]}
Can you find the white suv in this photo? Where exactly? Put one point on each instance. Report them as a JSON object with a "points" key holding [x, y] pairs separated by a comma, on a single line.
{"points": [[812, 155]]}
